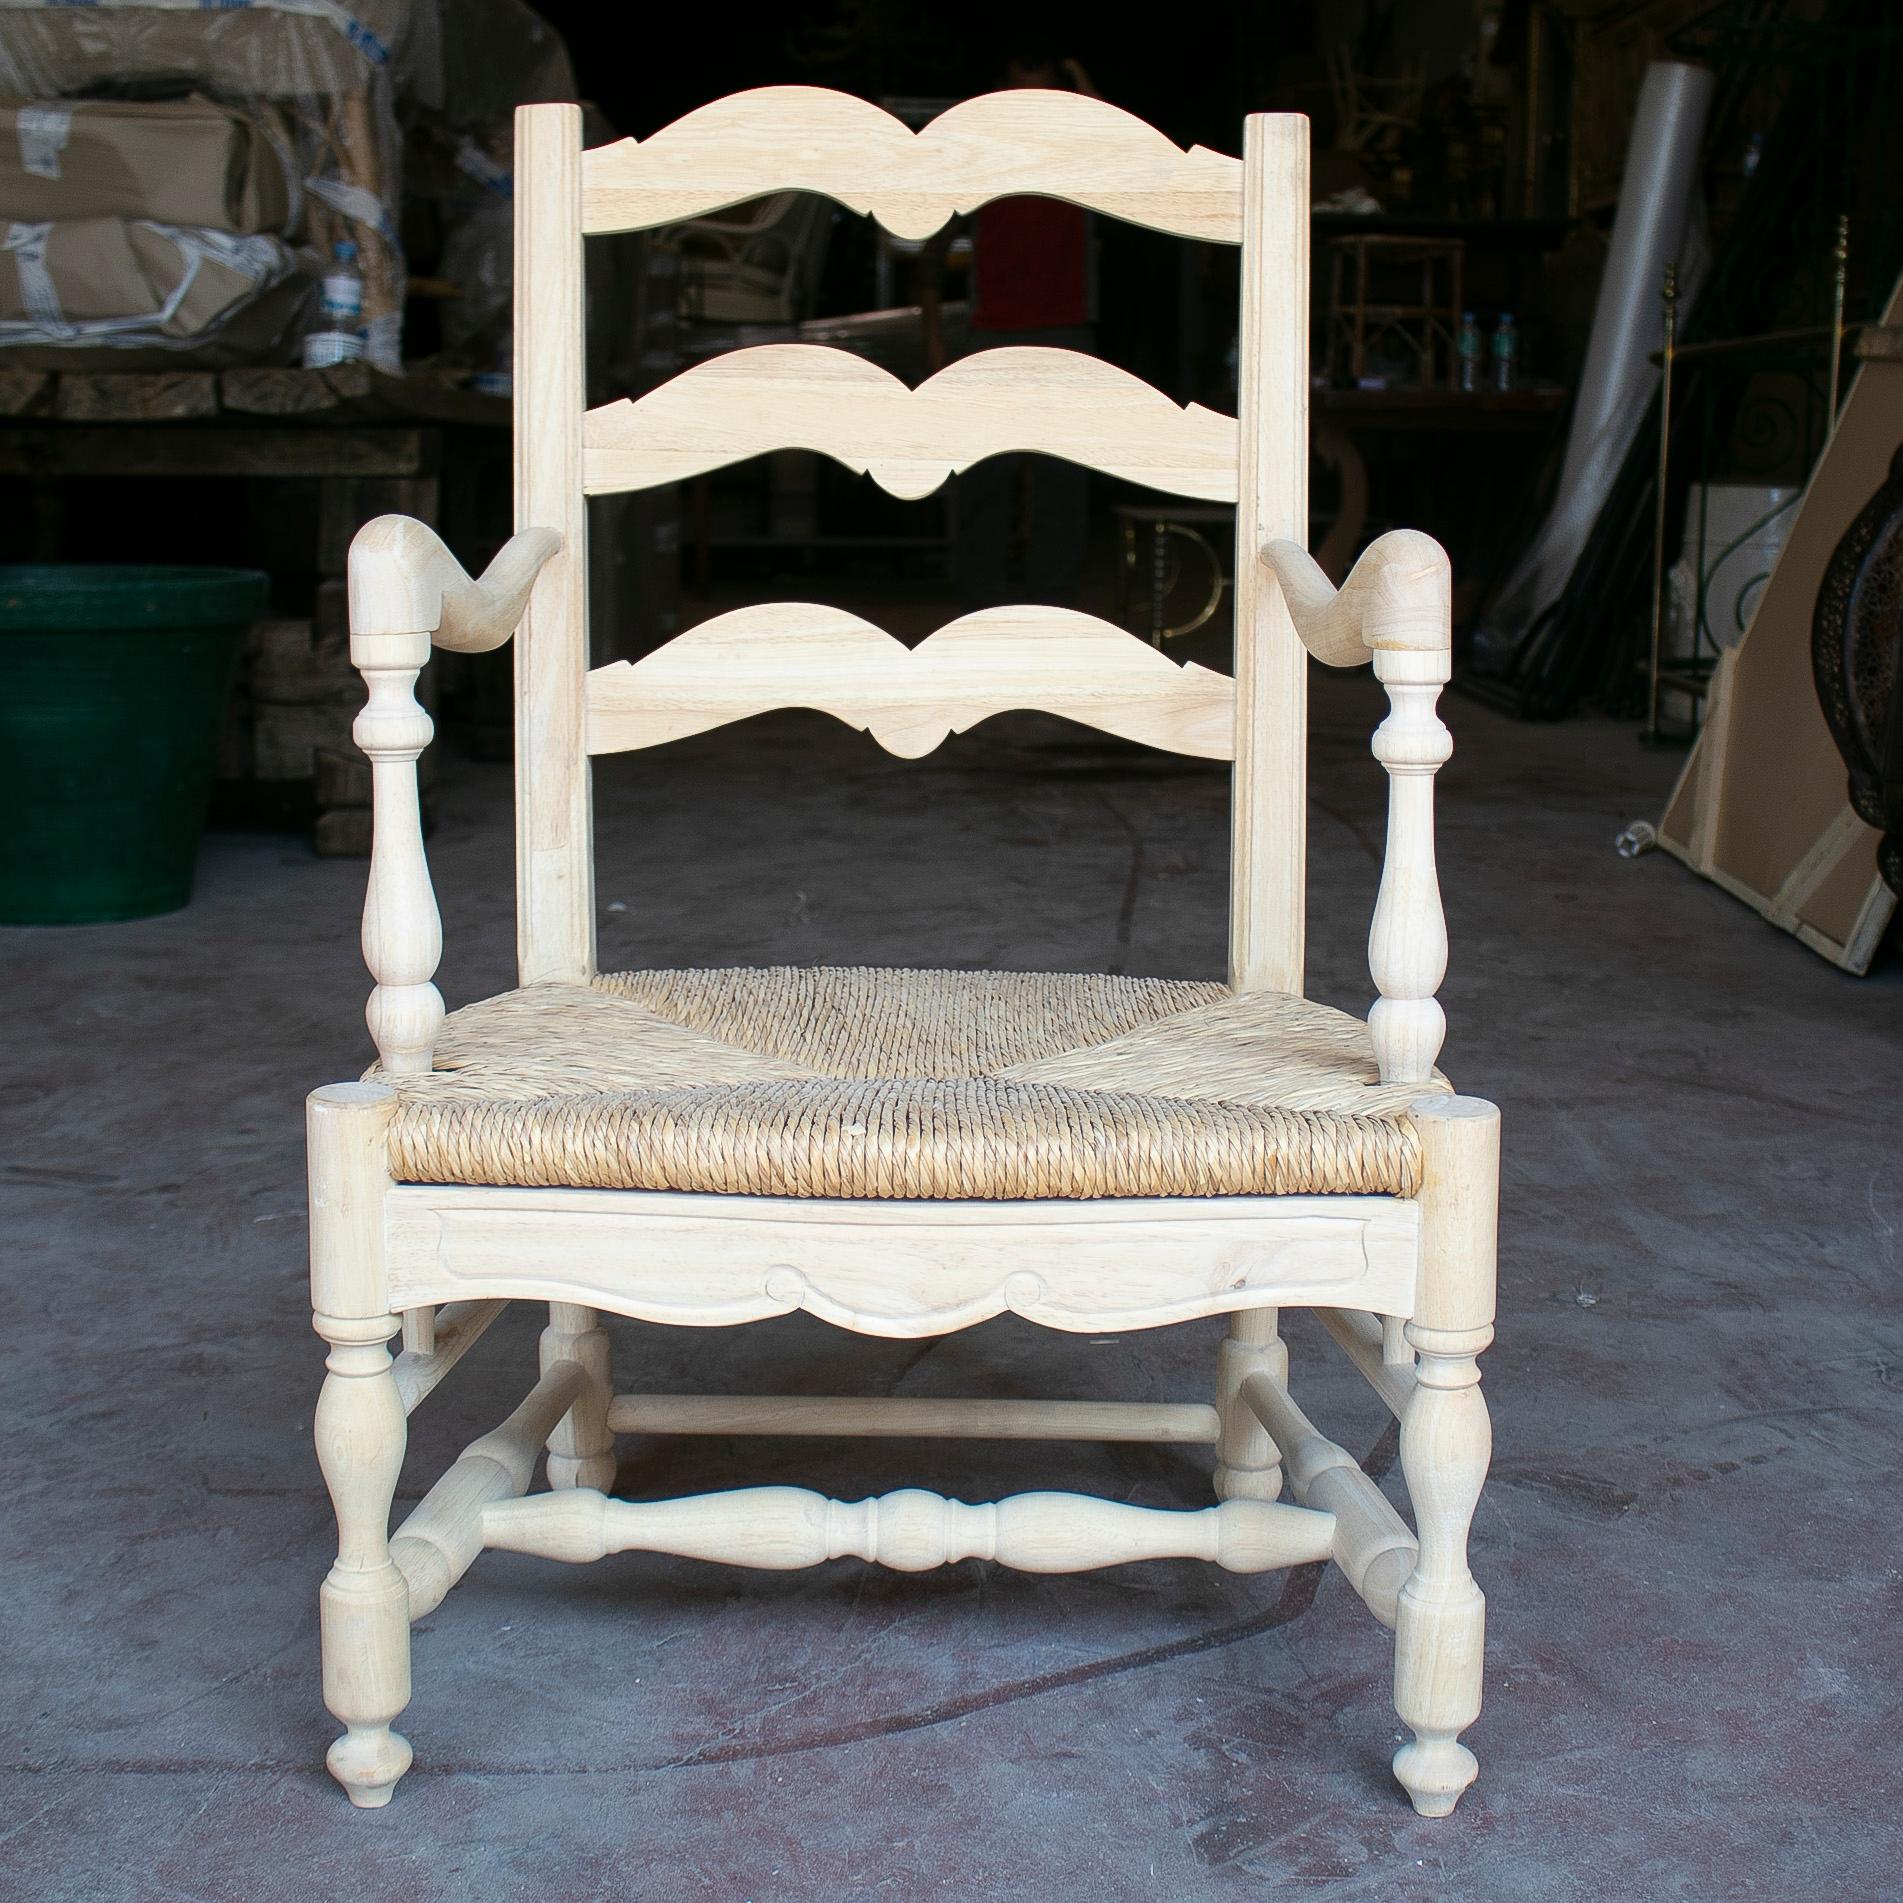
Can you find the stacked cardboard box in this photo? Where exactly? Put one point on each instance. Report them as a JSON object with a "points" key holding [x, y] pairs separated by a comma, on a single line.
{"points": [[145, 227]]}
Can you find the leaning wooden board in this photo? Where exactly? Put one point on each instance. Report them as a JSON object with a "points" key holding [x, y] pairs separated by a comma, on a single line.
{"points": [[1761, 808]]}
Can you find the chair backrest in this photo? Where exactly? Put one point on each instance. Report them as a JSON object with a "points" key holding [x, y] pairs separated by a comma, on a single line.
{"points": [[1057, 145]]}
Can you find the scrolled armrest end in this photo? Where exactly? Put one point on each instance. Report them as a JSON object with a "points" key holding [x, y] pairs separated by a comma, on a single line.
{"points": [[405, 583], [1397, 598]]}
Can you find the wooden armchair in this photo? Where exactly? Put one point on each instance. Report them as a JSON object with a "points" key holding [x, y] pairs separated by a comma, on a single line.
{"points": [[904, 1153]]}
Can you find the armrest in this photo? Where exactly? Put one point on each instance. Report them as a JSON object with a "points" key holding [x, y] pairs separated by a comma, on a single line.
{"points": [[408, 592], [404, 581], [1398, 598], [1396, 607]]}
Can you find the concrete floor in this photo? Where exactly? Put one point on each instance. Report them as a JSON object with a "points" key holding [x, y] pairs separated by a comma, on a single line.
{"points": [[1689, 1542]]}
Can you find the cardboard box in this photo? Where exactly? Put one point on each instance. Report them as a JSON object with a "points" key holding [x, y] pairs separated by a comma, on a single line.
{"points": [[177, 162], [84, 281]]}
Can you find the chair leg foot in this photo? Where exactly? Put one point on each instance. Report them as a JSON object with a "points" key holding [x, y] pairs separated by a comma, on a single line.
{"points": [[581, 1451], [367, 1761], [1435, 1770]]}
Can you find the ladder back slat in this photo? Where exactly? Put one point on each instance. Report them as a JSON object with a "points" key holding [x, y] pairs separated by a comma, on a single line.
{"points": [[808, 396], [796, 654], [804, 138]]}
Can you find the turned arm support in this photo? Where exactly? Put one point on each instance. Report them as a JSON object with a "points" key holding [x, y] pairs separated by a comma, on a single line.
{"points": [[407, 594], [1397, 609]]}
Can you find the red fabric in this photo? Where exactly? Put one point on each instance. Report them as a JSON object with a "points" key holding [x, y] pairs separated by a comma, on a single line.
{"points": [[1033, 272]]}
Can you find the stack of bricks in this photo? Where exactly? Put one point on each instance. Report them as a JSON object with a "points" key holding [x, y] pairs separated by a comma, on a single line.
{"points": [[299, 695]]}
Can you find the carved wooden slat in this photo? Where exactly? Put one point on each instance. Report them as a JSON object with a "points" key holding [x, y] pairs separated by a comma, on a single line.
{"points": [[804, 138], [810, 396], [797, 654], [911, 1531]]}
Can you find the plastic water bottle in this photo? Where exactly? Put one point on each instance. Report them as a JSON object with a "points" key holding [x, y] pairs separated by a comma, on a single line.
{"points": [[1506, 351], [338, 337], [1467, 351]]}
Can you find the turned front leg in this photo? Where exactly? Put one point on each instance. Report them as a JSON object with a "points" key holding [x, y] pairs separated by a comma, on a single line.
{"points": [[1446, 1442], [364, 1605], [581, 1451], [1248, 1463]]}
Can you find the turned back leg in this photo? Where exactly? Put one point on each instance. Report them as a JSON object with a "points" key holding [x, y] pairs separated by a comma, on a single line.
{"points": [[581, 1451], [1248, 1464]]}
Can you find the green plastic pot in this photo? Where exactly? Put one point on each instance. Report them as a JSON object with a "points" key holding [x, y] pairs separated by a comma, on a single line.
{"points": [[112, 685]]}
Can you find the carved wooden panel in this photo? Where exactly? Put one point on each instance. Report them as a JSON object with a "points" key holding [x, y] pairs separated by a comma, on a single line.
{"points": [[804, 138], [903, 1270], [798, 654], [808, 396]]}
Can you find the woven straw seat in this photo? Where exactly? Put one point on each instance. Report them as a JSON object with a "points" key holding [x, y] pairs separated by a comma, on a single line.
{"points": [[920, 1084]]}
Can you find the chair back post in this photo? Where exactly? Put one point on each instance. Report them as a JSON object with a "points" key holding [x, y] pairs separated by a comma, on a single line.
{"points": [[1269, 807], [555, 896]]}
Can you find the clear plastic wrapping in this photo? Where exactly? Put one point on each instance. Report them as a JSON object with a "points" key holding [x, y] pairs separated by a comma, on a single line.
{"points": [[322, 75]]}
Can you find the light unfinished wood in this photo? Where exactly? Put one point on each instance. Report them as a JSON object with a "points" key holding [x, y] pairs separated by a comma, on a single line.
{"points": [[1403, 1279], [419, 1331], [1446, 1443], [926, 1418], [581, 1446], [440, 1539], [910, 1531], [798, 654], [554, 823], [1268, 876], [1399, 603], [363, 1606], [1372, 1545], [1761, 806], [1248, 1463], [1398, 597], [456, 1330], [1000, 145], [402, 929], [909, 441], [896, 1269], [402, 581], [1363, 1339], [407, 594]]}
